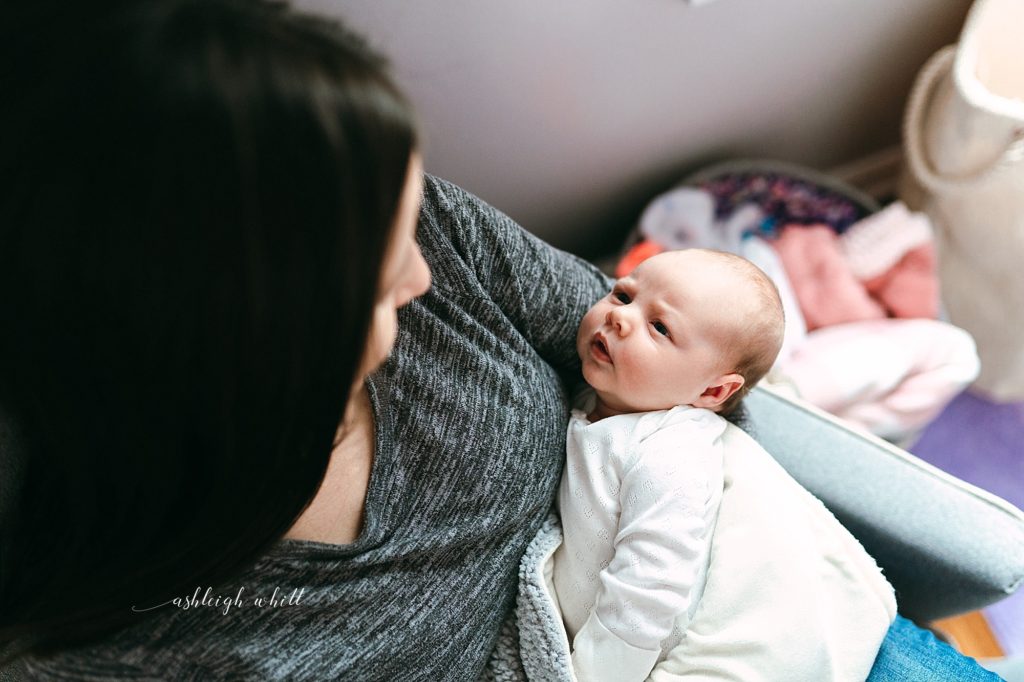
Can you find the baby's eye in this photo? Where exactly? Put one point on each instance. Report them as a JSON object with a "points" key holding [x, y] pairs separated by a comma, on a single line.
{"points": [[622, 296], [660, 328]]}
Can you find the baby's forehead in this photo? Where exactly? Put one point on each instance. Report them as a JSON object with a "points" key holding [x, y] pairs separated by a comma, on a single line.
{"points": [[693, 270], [685, 258], [727, 286]]}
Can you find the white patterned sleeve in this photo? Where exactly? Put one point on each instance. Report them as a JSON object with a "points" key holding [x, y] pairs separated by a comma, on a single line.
{"points": [[668, 506]]}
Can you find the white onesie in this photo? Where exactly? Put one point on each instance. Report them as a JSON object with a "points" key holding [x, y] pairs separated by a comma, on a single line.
{"points": [[638, 499]]}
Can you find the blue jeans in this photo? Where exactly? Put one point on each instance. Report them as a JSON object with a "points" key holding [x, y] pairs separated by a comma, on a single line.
{"points": [[912, 654]]}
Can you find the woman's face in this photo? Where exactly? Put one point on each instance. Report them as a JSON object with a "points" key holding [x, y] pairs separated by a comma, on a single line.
{"points": [[404, 273]]}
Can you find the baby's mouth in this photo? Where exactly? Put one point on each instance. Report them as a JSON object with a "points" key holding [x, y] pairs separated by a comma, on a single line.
{"points": [[599, 347]]}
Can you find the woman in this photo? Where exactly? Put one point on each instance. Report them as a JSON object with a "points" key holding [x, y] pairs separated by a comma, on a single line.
{"points": [[209, 239]]}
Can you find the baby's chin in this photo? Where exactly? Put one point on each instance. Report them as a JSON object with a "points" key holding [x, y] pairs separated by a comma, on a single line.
{"points": [[614, 404], [658, 403], [623, 401]]}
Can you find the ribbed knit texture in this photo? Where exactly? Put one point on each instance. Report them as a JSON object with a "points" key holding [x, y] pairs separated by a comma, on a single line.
{"points": [[471, 412]]}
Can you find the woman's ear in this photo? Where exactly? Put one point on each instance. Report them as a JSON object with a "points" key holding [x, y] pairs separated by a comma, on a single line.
{"points": [[719, 391]]}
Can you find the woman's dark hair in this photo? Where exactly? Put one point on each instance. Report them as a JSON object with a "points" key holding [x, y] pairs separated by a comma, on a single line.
{"points": [[197, 197]]}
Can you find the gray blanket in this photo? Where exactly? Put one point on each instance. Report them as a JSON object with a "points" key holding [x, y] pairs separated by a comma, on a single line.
{"points": [[532, 643]]}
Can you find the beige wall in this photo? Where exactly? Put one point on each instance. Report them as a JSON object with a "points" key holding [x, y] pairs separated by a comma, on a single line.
{"points": [[570, 114]]}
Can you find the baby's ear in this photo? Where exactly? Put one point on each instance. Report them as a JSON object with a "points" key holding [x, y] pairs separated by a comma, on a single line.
{"points": [[719, 391]]}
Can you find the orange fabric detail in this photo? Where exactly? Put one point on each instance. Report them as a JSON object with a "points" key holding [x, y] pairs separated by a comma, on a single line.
{"points": [[637, 255]]}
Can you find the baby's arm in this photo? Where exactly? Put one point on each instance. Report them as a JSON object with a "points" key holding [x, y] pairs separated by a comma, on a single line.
{"points": [[668, 503]]}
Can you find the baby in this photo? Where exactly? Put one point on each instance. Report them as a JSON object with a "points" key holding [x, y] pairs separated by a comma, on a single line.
{"points": [[673, 348]]}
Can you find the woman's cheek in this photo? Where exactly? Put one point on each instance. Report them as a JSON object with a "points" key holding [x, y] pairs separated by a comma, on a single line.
{"points": [[387, 325], [383, 331]]}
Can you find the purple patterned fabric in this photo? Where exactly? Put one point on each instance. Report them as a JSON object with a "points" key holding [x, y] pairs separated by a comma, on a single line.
{"points": [[784, 200]]}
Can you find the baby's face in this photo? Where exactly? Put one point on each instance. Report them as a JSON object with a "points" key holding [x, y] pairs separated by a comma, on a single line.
{"points": [[658, 339]]}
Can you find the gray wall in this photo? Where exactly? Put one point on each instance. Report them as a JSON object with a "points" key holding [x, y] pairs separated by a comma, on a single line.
{"points": [[570, 114]]}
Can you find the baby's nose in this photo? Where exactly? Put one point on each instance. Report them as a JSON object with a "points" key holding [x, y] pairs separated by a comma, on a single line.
{"points": [[619, 320]]}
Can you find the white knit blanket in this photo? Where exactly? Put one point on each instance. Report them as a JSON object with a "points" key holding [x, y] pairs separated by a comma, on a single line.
{"points": [[791, 595]]}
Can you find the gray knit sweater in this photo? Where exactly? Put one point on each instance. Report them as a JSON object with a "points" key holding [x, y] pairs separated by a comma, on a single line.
{"points": [[470, 411]]}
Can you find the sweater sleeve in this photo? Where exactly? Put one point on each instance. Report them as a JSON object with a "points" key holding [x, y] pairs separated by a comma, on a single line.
{"points": [[543, 291], [668, 505]]}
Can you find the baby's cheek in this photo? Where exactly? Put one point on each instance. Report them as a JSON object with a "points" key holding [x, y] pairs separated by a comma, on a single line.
{"points": [[647, 379], [588, 323], [627, 374]]}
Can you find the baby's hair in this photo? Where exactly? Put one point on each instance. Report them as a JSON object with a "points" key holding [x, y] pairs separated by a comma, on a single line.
{"points": [[756, 342]]}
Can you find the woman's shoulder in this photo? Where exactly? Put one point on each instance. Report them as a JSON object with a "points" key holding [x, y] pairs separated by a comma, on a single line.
{"points": [[453, 215], [449, 235]]}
